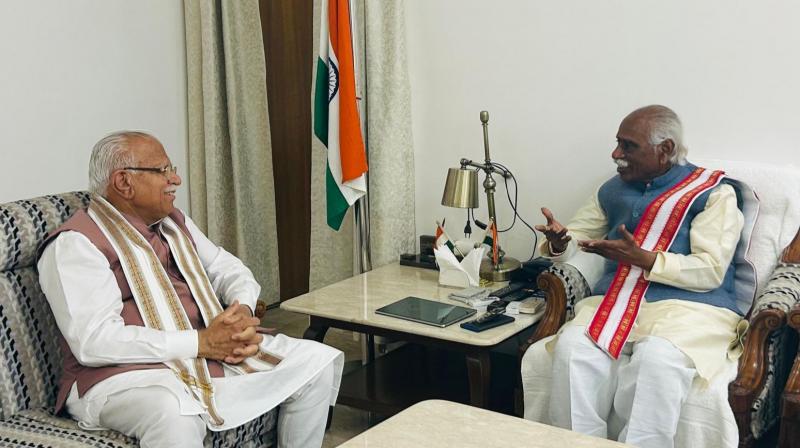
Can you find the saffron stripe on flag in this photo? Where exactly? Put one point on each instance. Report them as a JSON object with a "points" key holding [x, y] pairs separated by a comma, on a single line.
{"points": [[337, 122]]}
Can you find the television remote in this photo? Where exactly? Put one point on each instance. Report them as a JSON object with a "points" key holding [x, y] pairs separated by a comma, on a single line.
{"points": [[518, 295], [489, 315], [510, 288]]}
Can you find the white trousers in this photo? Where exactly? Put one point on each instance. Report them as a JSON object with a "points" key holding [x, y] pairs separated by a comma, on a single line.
{"points": [[152, 415], [645, 388]]}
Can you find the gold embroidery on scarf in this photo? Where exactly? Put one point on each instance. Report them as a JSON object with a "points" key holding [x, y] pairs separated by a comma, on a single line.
{"points": [[116, 224], [137, 280], [207, 390], [192, 277]]}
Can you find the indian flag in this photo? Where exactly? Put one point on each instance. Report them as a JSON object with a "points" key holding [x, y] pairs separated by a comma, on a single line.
{"points": [[490, 239], [442, 238], [336, 119]]}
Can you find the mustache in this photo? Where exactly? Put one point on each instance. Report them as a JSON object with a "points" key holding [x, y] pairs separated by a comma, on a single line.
{"points": [[621, 163]]}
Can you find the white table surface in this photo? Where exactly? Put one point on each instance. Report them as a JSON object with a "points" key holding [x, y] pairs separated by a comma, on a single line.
{"points": [[355, 300], [437, 423]]}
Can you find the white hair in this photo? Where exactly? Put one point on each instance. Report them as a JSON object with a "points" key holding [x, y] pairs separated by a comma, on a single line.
{"points": [[109, 154], [665, 125]]}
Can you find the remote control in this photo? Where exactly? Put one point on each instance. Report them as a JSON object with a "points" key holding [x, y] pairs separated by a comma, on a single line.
{"points": [[510, 288], [517, 295], [489, 315]]}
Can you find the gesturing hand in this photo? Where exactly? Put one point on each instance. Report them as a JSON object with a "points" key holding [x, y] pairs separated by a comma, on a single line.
{"points": [[555, 233], [624, 250]]}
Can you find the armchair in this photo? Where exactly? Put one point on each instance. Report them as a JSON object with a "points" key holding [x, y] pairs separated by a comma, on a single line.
{"points": [[744, 404], [790, 415], [30, 362]]}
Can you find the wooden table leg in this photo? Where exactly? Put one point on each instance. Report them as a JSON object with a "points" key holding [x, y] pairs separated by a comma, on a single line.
{"points": [[315, 331], [479, 370]]}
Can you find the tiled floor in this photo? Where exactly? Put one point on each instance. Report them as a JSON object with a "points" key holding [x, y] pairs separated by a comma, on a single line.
{"points": [[347, 422]]}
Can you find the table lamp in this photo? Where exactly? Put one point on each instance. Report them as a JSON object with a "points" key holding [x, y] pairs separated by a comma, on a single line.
{"points": [[461, 190]]}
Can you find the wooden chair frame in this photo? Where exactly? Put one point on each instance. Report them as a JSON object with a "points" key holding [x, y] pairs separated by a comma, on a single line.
{"points": [[790, 413]]}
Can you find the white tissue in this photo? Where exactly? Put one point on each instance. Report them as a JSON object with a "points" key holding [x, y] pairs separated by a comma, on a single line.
{"points": [[463, 274]]}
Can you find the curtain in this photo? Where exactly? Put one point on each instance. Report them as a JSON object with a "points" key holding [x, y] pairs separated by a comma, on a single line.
{"points": [[391, 150], [381, 48], [231, 187]]}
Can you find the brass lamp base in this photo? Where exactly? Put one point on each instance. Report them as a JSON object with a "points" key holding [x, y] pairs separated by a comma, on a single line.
{"points": [[503, 271]]}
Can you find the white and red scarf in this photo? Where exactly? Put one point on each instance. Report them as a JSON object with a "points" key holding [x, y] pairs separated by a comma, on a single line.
{"points": [[614, 318]]}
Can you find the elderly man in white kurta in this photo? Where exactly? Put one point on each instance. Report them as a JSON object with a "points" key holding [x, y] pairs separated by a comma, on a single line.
{"points": [[664, 310], [135, 288]]}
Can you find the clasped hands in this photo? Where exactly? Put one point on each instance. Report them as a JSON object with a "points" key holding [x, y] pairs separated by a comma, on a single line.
{"points": [[624, 250], [231, 337]]}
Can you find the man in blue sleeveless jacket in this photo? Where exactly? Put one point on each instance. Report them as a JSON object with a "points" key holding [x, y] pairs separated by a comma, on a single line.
{"points": [[611, 362]]}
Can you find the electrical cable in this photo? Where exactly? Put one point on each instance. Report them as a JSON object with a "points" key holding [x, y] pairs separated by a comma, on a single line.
{"points": [[513, 204]]}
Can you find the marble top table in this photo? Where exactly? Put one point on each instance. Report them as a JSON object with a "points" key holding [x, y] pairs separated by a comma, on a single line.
{"points": [[436, 423], [351, 303]]}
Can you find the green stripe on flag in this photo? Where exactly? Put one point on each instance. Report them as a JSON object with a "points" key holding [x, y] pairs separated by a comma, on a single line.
{"points": [[337, 204], [321, 103]]}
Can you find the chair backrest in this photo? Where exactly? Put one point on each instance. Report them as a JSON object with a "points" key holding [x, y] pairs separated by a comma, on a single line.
{"points": [[778, 217], [30, 361]]}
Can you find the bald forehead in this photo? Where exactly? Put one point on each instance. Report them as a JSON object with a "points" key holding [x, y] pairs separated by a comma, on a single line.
{"points": [[145, 148], [636, 125]]}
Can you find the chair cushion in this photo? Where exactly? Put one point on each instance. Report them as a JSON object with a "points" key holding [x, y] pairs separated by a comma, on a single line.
{"points": [[777, 188], [30, 361], [24, 224], [39, 428]]}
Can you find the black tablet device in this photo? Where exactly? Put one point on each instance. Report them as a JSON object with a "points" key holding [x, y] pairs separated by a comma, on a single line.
{"points": [[424, 311]]}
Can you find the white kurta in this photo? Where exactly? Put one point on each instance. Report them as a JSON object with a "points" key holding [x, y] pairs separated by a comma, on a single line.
{"points": [[703, 332], [86, 303]]}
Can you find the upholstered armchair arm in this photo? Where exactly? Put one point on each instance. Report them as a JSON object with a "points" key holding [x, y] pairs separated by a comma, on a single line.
{"points": [[261, 309], [762, 347], [563, 286], [790, 416]]}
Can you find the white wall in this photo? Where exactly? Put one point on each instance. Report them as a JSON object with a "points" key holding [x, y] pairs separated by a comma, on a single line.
{"points": [[73, 71], [557, 77]]}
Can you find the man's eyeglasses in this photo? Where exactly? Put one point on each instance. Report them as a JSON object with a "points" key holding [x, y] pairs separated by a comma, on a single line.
{"points": [[166, 170]]}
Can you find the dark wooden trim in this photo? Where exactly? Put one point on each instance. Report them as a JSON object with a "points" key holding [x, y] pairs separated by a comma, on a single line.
{"points": [[790, 406], [287, 29], [792, 253], [479, 369], [555, 312], [790, 412], [743, 391]]}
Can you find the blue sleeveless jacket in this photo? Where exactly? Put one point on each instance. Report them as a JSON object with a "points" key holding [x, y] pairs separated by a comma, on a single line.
{"points": [[624, 203]]}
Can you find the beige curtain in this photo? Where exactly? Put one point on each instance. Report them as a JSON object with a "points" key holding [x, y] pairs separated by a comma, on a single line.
{"points": [[391, 154], [391, 150], [230, 158]]}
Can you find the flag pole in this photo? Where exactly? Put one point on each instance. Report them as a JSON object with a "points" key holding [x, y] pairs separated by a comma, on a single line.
{"points": [[362, 250]]}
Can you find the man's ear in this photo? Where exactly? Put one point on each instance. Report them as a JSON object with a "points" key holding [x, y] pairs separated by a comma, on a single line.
{"points": [[666, 150], [121, 183]]}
